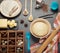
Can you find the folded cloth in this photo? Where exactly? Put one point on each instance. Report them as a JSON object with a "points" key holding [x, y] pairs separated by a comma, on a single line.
{"points": [[57, 21], [34, 47], [59, 36], [53, 45], [56, 24], [56, 45], [51, 48]]}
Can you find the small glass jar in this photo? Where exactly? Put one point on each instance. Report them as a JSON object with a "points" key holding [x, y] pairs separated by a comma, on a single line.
{"points": [[39, 3]]}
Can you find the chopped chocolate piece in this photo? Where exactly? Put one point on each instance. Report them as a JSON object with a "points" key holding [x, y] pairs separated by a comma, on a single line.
{"points": [[22, 21], [25, 25]]}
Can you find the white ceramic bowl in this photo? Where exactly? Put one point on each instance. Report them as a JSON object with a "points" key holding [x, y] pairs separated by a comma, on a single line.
{"points": [[7, 5], [40, 20]]}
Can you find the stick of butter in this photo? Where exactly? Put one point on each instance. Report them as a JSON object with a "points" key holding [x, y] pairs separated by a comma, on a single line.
{"points": [[3, 23]]}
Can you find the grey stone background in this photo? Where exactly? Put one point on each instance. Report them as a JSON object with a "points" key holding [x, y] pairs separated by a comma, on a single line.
{"points": [[36, 14]]}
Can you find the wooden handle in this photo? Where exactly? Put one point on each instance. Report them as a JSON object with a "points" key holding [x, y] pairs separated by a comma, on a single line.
{"points": [[48, 40]]}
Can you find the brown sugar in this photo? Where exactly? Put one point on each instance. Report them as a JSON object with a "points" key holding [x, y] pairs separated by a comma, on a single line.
{"points": [[45, 7]]}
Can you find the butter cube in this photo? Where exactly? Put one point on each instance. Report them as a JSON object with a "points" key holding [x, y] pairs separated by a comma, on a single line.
{"points": [[8, 22], [12, 24], [13, 21], [3, 23]]}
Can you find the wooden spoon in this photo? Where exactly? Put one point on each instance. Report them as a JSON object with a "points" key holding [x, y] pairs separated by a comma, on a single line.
{"points": [[30, 17], [25, 12]]}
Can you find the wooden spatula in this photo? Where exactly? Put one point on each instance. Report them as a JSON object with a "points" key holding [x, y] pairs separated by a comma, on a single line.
{"points": [[49, 39]]}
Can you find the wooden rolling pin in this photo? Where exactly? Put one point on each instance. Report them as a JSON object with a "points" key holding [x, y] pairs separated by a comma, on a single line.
{"points": [[48, 40]]}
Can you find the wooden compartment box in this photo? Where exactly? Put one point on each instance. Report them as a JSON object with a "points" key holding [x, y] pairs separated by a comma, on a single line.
{"points": [[12, 41]]}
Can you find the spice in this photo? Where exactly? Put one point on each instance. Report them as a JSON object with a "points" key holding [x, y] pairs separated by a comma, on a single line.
{"points": [[25, 13], [11, 42], [25, 25], [4, 42], [21, 21], [19, 42], [45, 7], [30, 18], [48, 15], [19, 49]]}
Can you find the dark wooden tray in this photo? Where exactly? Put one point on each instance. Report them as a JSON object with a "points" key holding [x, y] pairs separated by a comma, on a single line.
{"points": [[9, 41]]}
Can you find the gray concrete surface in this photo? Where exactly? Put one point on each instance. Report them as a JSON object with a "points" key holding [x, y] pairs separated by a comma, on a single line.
{"points": [[36, 14]]}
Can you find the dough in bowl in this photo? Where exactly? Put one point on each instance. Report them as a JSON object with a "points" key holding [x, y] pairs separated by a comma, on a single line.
{"points": [[40, 28]]}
